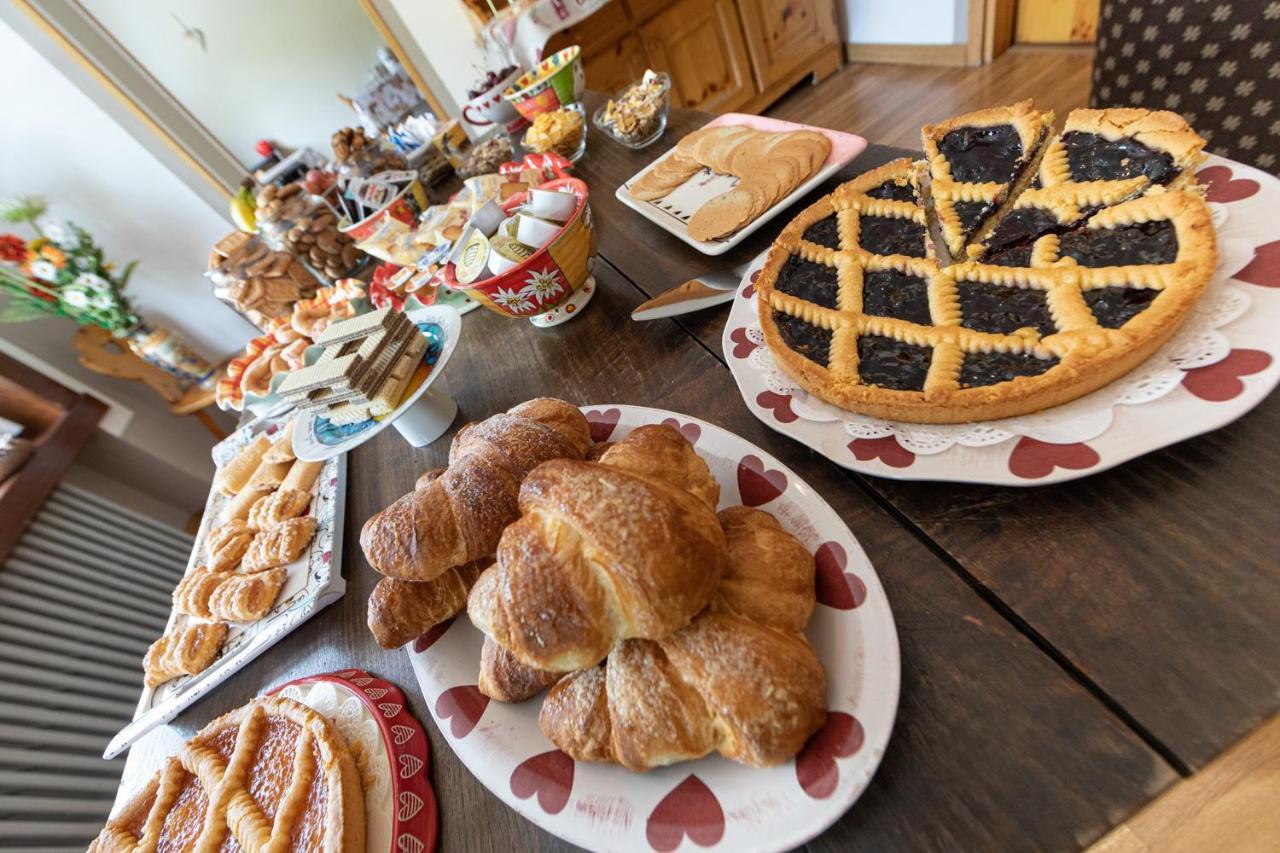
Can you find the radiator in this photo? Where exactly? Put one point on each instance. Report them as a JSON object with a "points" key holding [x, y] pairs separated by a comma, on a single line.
{"points": [[82, 595]]}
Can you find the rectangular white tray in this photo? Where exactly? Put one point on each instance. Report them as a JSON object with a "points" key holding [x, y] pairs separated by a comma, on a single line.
{"points": [[672, 211], [314, 581]]}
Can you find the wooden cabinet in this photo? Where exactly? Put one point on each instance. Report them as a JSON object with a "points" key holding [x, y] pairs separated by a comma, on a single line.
{"points": [[782, 34], [721, 54], [699, 43]]}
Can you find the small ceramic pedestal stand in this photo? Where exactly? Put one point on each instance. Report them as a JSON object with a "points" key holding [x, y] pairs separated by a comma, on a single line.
{"points": [[424, 414]]}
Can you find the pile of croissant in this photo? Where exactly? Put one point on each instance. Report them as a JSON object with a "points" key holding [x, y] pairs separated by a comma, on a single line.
{"points": [[665, 631]]}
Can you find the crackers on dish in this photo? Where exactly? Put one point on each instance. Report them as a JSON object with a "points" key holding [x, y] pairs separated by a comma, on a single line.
{"points": [[768, 166]]}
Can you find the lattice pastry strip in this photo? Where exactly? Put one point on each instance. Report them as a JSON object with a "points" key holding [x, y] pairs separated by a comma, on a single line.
{"points": [[1114, 145]]}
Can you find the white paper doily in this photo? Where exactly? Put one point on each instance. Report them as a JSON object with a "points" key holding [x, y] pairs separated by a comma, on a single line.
{"points": [[948, 451]]}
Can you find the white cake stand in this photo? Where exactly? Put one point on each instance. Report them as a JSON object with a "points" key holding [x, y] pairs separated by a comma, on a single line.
{"points": [[422, 416]]}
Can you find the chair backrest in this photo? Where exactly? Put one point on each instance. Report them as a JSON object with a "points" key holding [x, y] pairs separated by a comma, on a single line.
{"points": [[1217, 63]]}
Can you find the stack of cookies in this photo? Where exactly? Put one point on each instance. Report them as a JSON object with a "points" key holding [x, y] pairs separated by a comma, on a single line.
{"points": [[768, 167], [363, 371]]}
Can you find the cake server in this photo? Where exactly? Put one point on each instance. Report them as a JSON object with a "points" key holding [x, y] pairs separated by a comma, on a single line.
{"points": [[705, 291]]}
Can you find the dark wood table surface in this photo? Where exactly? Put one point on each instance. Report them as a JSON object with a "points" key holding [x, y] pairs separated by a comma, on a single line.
{"points": [[1067, 651]]}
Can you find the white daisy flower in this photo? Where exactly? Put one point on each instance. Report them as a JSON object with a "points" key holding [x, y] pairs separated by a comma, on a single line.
{"points": [[91, 281], [61, 234], [543, 285], [44, 270], [75, 298], [513, 300]]}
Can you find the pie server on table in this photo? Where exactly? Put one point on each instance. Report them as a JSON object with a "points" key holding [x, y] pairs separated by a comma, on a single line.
{"points": [[703, 291]]}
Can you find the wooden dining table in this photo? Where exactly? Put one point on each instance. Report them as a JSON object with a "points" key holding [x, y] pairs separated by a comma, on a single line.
{"points": [[1068, 651]]}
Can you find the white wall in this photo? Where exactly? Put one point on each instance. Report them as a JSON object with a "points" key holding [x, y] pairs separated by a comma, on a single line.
{"points": [[59, 144], [448, 38], [906, 21], [272, 70]]}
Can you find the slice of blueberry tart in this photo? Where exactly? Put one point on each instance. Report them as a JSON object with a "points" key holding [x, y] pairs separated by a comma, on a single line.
{"points": [[1074, 282]]}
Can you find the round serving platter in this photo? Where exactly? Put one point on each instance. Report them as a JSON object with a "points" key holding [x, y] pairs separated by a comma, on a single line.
{"points": [[423, 414], [1041, 449], [391, 749], [712, 803]]}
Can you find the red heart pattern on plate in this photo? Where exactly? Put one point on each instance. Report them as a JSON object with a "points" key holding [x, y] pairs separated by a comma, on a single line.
{"points": [[549, 775], [690, 431], [833, 586], [1264, 269], [1032, 459], [1220, 381], [462, 706], [1222, 188], [779, 404], [816, 770], [689, 809], [743, 346], [756, 484], [603, 423], [886, 449], [750, 290], [433, 634]]}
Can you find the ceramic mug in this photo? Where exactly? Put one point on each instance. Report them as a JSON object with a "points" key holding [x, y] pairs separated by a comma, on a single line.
{"points": [[490, 107]]}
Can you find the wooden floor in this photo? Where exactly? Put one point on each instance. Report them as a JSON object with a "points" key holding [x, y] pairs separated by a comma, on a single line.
{"points": [[888, 103]]}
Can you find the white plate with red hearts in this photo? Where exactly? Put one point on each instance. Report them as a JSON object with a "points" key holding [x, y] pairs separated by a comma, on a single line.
{"points": [[1220, 365], [712, 803]]}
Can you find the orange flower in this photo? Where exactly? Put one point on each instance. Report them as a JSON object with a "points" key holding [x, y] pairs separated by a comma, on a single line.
{"points": [[54, 255]]}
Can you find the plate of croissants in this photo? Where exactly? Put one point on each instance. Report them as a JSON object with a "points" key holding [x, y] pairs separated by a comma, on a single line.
{"points": [[669, 640]]}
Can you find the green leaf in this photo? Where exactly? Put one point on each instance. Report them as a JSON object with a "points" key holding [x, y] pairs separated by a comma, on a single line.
{"points": [[123, 278], [22, 308]]}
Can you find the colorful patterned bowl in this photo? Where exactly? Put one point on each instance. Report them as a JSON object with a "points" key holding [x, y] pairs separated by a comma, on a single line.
{"points": [[557, 82], [406, 207], [555, 282]]}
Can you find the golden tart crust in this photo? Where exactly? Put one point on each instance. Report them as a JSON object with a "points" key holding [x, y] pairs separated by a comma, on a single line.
{"points": [[1075, 352], [273, 775]]}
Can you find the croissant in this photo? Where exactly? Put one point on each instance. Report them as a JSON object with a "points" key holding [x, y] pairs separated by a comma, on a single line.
{"points": [[598, 555], [400, 610], [662, 452], [459, 516], [228, 596], [184, 651], [739, 679], [505, 679]]}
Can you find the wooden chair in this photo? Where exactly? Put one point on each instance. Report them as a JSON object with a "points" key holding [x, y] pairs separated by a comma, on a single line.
{"points": [[102, 353], [1211, 62]]}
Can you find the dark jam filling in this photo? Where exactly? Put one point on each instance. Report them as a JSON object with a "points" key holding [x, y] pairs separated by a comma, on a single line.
{"points": [[894, 191], [991, 368], [892, 364], [885, 235], [889, 293], [1091, 157], [1154, 242], [972, 214], [824, 232], [980, 154], [1114, 306], [812, 342], [1009, 244], [812, 282], [1004, 310]]}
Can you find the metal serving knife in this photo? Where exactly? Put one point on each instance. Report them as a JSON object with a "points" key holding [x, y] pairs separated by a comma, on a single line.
{"points": [[705, 291]]}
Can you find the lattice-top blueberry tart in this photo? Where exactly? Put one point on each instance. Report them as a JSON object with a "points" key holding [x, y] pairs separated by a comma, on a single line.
{"points": [[1094, 248]]}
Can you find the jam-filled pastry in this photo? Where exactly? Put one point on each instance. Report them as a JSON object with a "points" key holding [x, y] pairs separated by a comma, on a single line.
{"points": [[271, 775], [279, 545], [1080, 282], [277, 507], [183, 651], [1102, 158], [225, 545], [977, 163], [228, 596]]}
